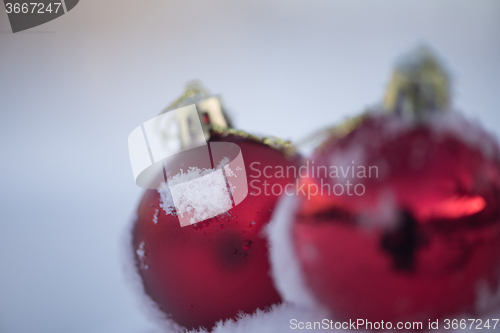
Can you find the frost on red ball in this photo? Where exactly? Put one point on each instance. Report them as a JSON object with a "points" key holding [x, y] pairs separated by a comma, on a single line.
{"points": [[211, 270], [423, 241]]}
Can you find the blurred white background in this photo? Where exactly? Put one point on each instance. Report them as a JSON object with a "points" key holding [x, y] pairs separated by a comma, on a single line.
{"points": [[74, 88]]}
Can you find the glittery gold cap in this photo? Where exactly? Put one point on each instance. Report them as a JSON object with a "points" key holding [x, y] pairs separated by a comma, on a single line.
{"points": [[419, 85], [210, 111]]}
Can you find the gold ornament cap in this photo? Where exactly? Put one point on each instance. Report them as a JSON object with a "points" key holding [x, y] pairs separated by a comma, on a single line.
{"points": [[420, 85], [209, 108]]}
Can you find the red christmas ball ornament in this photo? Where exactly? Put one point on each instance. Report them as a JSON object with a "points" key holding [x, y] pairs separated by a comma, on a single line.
{"points": [[402, 218], [209, 271]]}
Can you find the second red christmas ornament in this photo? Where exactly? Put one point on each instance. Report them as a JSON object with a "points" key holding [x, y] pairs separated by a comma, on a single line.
{"points": [[401, 221]]}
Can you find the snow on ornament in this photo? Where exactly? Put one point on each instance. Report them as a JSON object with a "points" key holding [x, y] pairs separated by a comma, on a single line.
{"points": [[423, 240], [215, 267]]}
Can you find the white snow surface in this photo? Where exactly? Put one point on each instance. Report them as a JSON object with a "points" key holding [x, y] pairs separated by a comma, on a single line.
{"points": [[299, 302], [285, 269], [276, 320]]}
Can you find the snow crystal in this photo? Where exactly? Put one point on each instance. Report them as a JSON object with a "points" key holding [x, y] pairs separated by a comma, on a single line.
{"points": [[155, 217], [141, 253], [166, 200]]}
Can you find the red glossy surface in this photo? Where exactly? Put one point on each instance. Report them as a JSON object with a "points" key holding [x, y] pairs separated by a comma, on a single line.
{"points": [[444, 246], [210, 271]]}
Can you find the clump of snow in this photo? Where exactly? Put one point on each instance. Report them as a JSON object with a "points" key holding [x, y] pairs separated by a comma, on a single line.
{"points": [[285, 268], [223, 162], [155, 217], [201, 198], [197, 194], [191, 174], [448, 122], [166, 198], [229, 172], [471, 132]]}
